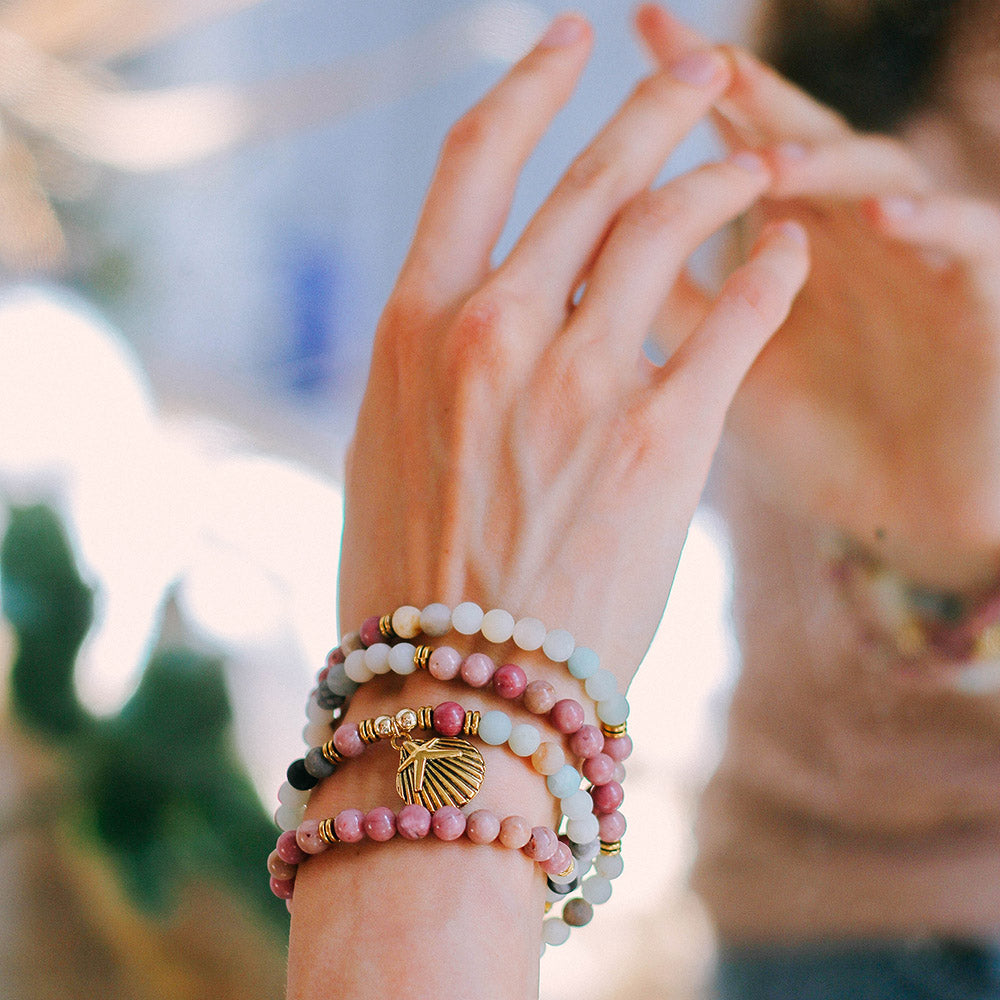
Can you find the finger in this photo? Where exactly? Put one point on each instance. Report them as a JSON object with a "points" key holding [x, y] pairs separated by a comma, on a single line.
{"points": [[762, 106], [684, 308], [624, 158], [481, 159], [647, 249], [849, 168], [754, 302]]}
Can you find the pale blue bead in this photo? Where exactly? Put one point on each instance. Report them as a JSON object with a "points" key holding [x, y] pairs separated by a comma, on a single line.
{"points": [[596, 890], [586, 852], [583, 662], [558, 645], [339, 683], [564, 782], [601, 685], [524, 739], [495, 728], [614, 711], [401, 658], [555, 931], [577, 805], [609, 866], [584, 829]]}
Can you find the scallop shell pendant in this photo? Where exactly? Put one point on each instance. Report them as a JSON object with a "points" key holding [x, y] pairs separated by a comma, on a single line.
{"points": [[442, 771]]}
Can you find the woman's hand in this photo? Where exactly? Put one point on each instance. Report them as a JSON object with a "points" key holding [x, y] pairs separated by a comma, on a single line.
{"points": [[877, 407], [514, 447]]}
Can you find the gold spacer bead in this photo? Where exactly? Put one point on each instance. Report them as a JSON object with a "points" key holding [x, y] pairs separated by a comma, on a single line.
{"points": [[988, 643], [614, 732], [327, 832], [331, 753], [471, 725], [568, 870], [422, 657], [611, 847], [548, 906], [425, 717], [385, 628], [366, 730], [406, 719]]}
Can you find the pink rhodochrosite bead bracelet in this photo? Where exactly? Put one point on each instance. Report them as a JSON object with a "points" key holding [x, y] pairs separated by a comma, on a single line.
{"points": [[594, 825]]}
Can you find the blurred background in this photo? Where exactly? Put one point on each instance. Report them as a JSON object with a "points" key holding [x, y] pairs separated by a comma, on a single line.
{"points": [[203, 205]]}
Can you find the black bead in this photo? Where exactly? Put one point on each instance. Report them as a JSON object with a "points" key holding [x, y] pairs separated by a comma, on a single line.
{"points": [[299, 777], [563, 890]]}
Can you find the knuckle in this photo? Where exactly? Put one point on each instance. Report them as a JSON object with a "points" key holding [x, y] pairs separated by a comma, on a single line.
{"points": [[657, 88], [655, 211], [479, 342], [593, 174], [756, 296], [471, 132]]}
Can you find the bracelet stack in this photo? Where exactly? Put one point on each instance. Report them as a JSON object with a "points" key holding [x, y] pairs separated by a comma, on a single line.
{"points": [[437, 777]]}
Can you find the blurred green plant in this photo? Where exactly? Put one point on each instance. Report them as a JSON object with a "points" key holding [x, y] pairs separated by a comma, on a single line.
{"points": [[159, 786]]}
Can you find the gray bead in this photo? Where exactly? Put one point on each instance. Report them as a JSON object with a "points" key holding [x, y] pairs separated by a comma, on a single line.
{"points": [[317, 765], [577, 912]]}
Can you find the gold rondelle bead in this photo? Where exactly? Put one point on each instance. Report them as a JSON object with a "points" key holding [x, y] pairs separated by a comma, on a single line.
{"points": [[611, 847], [568, 870], [385, 627], [425, 717], [331, 753], [366, 730], [471, 725], [422, 657], [327, 832], [614, 732], [548, 906]]}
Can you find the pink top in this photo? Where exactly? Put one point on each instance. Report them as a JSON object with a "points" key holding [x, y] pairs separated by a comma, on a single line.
{"points": [[848, 801]]}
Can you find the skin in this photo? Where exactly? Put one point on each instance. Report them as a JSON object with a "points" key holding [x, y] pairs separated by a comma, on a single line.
{"points": [[516, 450], [876, 408]]}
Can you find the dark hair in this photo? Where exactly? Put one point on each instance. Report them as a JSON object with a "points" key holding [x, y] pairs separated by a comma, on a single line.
{"points": [[874, 61]]}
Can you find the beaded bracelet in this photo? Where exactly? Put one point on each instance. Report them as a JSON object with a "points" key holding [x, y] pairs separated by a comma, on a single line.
{"points": [[448, 770]]}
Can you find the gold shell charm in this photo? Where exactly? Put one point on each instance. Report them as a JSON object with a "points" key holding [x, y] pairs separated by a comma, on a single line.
{"points": [[442, 771]]}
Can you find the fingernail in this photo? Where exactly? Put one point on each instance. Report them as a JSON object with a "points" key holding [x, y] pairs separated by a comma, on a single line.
{"points": [[748, 161], [698, 68], [565, 30], [792, 151], [794, 231], [897, 207]]}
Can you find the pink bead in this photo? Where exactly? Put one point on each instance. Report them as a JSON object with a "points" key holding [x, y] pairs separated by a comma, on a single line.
{"points": [[599, 770], [612, 827], [448, 718], [349, 825], [542, 844], [510, 681], [607, 798], [380, 824], [448, 823], [413, 821], [369, 632], [515, 832], [483, 827], [587, 741], [477, 670], [322, 675], [548, 758], [444, 663], [278, 868], [567, 715], [619, 774], [347, 741], [335, 656], [620, 748], [288, 849], [282, 888], [308, 838], [539, 697], [559, 861]]}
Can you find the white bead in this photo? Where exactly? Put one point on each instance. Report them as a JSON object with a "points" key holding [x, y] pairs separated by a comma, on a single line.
{"points": [[401, 658], [609, 866], [350, 642], [355, 668], [317, 733], [467, 618], [555, 931], [316, 713], [564, 782], [495, 728], [585, 853], [406, 621], [619, 773], [541, 947], [577, 805], [601, 685], [566, 879], [614, 710], [435, 620], [584, 829], [524, 739], [558, 645], [498, 625], [289, 817], [551, 896], [529, 634], [377, 657], [289, 796], [583, 662], [596, 890]]}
